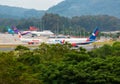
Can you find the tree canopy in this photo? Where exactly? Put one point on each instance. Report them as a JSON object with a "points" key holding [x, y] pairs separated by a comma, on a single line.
{"points": [[60, 64]]}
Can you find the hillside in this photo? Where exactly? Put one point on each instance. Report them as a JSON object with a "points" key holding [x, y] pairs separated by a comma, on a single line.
{"points": [[87, 7], [67, 8], [16, 12]]}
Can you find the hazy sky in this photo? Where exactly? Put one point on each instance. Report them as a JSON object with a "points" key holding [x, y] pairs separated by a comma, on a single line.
{"points": [[36, 4]]}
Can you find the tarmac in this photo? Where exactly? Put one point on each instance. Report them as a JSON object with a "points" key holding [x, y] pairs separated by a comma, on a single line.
{"points": [[9, 39]]}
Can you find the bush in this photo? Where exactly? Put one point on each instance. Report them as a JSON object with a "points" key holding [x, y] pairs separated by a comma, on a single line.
{"points": [[20, 47]]}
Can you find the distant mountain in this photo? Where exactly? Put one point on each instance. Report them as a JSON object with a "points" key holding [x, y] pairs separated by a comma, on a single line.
{"points": [[67, 8], [87, 7], [16, 12]]}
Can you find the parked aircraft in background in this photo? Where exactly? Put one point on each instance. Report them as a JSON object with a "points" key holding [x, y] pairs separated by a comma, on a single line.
{"points": [[42, 33], [37, 33], [32, 31], [30, 40], [73, 41]]}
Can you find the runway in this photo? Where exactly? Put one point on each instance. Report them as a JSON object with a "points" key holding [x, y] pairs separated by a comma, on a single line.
{"points": [[32, 47]]}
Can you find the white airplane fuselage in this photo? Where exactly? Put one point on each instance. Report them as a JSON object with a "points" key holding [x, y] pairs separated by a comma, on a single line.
{"points": [[31, 40], [42, 33], [69, 40]]}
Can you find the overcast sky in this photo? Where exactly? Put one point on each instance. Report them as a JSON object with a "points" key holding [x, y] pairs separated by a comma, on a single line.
{"points": [[31, 4]]}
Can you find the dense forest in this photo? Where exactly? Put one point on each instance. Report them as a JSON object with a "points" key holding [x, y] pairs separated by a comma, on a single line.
{"points": [[60, 24], [59, 64]]}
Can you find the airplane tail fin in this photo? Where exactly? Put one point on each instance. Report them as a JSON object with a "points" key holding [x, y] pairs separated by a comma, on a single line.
{"points": [[94, 34], [10, 31], [16, 31]]}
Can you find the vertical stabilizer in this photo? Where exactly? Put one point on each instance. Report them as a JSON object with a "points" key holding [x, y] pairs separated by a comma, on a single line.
{"points": [[94, 34]]}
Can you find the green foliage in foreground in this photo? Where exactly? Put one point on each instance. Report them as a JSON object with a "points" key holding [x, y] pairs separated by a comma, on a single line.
{"points": [[59, 64]]}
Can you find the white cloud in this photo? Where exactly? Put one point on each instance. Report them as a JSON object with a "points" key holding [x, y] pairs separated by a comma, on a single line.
{"points": [[36, 4]]}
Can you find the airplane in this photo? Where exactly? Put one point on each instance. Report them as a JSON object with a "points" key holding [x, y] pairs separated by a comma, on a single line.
{"points": [[34, 33], [42, 33], [75, 42], [29, 40]]}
